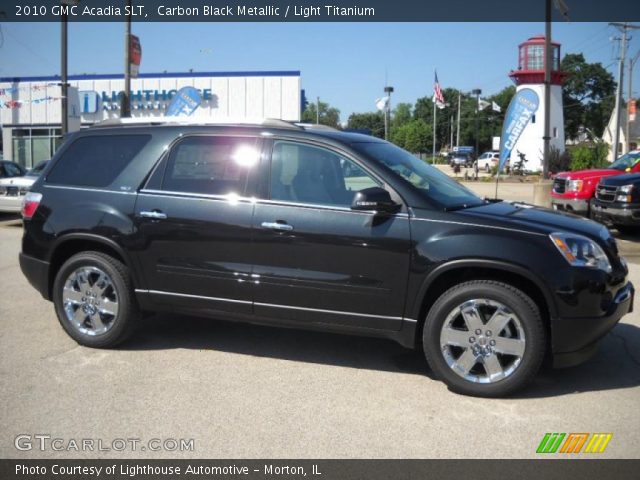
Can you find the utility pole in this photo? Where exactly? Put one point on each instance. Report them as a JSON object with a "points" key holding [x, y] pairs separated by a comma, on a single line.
{"points": [[624, 28], [632, 62], [548, 63], [477, 93], [125, 106], [317, 110]]}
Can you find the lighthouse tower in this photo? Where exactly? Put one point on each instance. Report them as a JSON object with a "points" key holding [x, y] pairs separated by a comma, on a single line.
{"points": [[530, 74]]}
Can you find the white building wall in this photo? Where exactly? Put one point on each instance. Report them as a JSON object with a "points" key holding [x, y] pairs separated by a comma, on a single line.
{"points": [[234, 97], [531, 142]]}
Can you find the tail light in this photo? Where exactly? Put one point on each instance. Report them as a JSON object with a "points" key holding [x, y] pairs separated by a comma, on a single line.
{"points": [[30, 204]]}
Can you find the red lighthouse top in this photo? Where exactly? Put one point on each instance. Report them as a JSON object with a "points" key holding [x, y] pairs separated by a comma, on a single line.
{"points": [[531, 60]]}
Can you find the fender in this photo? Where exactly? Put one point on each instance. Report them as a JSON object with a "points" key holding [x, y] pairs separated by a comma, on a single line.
{"points": [[60, 241], [483, 263]]}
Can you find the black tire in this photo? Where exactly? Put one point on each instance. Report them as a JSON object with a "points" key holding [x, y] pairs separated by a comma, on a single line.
{"points": [[122, 324], [526, 311]]}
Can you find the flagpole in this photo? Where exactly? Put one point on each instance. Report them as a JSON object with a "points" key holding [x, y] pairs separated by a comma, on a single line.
{"points": [[433, 158], [458, 122]]}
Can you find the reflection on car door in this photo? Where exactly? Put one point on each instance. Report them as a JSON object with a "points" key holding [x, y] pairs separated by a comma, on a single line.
{"points": [[318, 261], [194, 224]]}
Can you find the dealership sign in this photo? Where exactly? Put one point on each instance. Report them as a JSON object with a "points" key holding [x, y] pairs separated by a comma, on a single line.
{"points": [[522, 107], [92, 101]]}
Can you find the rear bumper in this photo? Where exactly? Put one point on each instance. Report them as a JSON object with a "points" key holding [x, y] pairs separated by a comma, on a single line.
{"points": [[10, 204], [576, 339], [571, 205], [629, 215], [37, 273]]}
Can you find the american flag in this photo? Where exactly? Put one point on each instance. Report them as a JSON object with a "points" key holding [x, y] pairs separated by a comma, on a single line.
{"points": [[437, 93]]}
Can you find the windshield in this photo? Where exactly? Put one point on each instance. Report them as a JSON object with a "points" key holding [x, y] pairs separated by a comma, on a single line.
{"points": [[628, 160], [430, 182]]}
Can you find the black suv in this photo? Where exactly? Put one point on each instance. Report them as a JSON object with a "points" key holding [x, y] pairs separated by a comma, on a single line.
{"points": [[282, 224], [617, 202]]}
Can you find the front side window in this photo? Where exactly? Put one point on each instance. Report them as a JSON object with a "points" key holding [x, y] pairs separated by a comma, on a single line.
{"points": [[308, 174], [96, 161], [434, 185], [211, 165]]}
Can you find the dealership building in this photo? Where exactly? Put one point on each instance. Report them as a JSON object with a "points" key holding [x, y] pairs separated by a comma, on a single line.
{"points": [[30, 108]]}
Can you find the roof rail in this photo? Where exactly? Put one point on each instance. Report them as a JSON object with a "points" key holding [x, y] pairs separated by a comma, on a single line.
{"points": [[265, 122], [315, 126]]}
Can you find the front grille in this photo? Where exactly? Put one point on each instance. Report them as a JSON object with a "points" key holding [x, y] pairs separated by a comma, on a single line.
{"points": [[606, 193], [559, 185]]}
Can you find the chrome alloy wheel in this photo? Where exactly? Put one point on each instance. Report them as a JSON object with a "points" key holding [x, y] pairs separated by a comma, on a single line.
{"points": [[90, 301], [482, 341]]}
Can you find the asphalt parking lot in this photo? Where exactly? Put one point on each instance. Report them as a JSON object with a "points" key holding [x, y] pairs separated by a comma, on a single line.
{"points": [[243, 391]]}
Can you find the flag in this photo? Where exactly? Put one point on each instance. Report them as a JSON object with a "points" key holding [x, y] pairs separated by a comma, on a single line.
{"points": [[495, 107], [382, 103], [523, 106], [482, 104], [438, 98]]}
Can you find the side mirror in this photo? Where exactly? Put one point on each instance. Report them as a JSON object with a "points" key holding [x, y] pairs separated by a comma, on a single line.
{"points": [[374, 199]]}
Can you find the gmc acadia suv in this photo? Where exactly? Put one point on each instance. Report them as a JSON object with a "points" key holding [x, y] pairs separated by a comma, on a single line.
{"points": [[282, 224]]}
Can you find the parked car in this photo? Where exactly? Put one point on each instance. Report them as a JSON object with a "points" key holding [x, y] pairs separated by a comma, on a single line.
{"points": [[573, 191], [285, 225], [461, 159], [617, 202], [13, 189], [488, 160]]}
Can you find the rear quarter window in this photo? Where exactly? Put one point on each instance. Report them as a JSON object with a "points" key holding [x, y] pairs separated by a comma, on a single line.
{"points": [[96, 161]]}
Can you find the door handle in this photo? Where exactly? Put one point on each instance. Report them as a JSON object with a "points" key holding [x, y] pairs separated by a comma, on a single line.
{"points": [[284, 227], [155, 214]]}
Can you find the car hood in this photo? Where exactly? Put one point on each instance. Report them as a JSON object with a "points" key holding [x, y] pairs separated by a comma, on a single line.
{"points": [[588, 174], [618, 180], [520, 216], [18, 181]]}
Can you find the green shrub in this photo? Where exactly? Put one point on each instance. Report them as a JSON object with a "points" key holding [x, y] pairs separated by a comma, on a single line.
{"points": [[589, 156]]}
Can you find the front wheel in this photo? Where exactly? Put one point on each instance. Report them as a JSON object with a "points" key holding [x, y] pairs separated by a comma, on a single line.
{"points": [[94, 299], [484, 338]]}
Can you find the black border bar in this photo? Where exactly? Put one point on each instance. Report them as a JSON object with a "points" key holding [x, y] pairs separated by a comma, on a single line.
{"points": [[320, 11]]}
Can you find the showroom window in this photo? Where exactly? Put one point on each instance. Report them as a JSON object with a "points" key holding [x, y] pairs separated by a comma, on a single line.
{"points": [[32, 145]]}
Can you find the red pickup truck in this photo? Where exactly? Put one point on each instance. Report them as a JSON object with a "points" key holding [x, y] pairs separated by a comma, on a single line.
{"points": [[573, 191]]}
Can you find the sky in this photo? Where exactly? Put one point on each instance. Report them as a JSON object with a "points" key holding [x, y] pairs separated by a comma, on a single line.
{"points": [[345, 64]]}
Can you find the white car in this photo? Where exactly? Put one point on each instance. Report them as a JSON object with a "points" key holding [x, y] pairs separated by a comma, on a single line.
{"points": [[13, 189], [488, 160]]}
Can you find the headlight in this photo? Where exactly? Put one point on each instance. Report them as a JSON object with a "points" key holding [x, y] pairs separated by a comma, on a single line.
{"points": [[580, 251], [625, 189], [3, 190], [574, 185], [623, 198], [24, 190]]}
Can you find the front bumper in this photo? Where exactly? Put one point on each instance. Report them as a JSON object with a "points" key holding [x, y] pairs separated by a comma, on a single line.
{"points": [[616, 214], [37, 273], [571, 205], [576, 339]]}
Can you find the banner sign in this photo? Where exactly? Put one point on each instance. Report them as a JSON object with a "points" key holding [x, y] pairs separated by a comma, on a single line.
{"points": [[135, 54], [523, 106], [184, 103]]}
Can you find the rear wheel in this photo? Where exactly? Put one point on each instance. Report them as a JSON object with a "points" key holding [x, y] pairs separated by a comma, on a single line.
{"points": [[94, 299], [484, 338]]}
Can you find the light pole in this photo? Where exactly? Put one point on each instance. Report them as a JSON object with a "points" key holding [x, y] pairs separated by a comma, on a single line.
{"points": [[387, 114], [477, 93], [125, 105], [64, 84]]}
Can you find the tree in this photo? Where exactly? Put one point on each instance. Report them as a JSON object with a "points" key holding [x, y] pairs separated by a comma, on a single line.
{"points": [[372, 121], [401, 114], [328, 115], [587, 94]]}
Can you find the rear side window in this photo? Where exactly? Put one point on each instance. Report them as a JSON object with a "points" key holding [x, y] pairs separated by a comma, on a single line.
{"points": [[96, 161], [211, 165]]}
